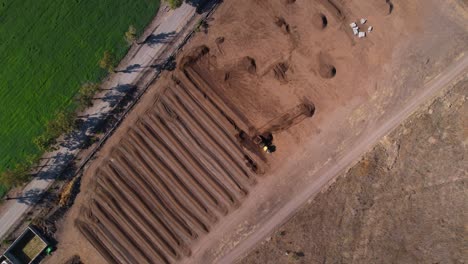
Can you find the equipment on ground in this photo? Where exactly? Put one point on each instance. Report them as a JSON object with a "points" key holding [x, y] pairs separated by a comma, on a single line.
{"points": [[265, 142]]}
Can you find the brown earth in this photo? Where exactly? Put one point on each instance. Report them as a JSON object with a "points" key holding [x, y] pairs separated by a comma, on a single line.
{"points": [[182, 180], [404, 202]]}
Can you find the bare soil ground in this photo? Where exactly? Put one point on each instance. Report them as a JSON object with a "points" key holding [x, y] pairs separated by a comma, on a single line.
{"points": [[181, 179], [404, 202]]}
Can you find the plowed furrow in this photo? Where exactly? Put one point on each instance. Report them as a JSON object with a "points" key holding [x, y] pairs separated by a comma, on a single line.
{"points": [[150, 223], [122, 231], [188, 142], [187, 90], [190, 163], [172, 223], [205, 127], [206, 106], [222, 138], [101, 246], [199, 167], [160, 224], [179, 167], [162, 197], [152, 198], [102, 231], [149, 241], [228, 111], [131, 247], [170, 181]]}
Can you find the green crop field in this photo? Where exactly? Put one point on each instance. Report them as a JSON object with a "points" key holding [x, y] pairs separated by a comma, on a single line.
{"points": [[48, 48]]}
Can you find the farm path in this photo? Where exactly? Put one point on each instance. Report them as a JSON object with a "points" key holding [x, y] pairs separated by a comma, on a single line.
{"points": [[136, 70]]}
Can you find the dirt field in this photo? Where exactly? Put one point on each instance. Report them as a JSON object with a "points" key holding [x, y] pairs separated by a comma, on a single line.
{"points": [[404, 202], [182, 179]]}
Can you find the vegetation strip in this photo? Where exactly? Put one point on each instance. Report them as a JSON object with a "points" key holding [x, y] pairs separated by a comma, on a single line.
{"points": [[51, 51]]}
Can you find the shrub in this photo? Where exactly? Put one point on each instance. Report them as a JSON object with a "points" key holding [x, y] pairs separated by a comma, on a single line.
{"points": [[108, 61], [64, 122], [16, 176], [131, 34], [86, 95], [173, 4], [44, 141]]}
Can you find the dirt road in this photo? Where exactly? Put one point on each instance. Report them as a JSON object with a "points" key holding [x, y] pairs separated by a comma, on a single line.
{"points": [[457, 69]]}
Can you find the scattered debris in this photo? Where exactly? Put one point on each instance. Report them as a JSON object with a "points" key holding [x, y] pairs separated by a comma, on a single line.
{"points": [[281, 234], [356, 29]]}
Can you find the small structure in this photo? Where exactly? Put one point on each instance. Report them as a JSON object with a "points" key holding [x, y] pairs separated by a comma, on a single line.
{"points": [[369, 29], [353, 25], [362, 34], [363, 21], [3, 260], [26, 248]]}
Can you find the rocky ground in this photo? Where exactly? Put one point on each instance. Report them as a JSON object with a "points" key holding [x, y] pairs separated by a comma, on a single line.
{"points": [[404, 202]]}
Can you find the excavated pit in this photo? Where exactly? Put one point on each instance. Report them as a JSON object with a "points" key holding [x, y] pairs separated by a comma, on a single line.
{"points": [[320, 21], [326, 67]]}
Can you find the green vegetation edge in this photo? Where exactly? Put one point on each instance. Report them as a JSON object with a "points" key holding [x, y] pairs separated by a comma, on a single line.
{"points": [[51, 48]]}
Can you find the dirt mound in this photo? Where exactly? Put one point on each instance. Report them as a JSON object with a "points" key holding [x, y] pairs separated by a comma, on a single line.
{"points": [[333, 7], [384, 7], [281, 23], [289, 118], [248, 64], [192, 56], [327, 71], [280, 70], [74, 260], [326, 68], [219, 40], [319, 21]]}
